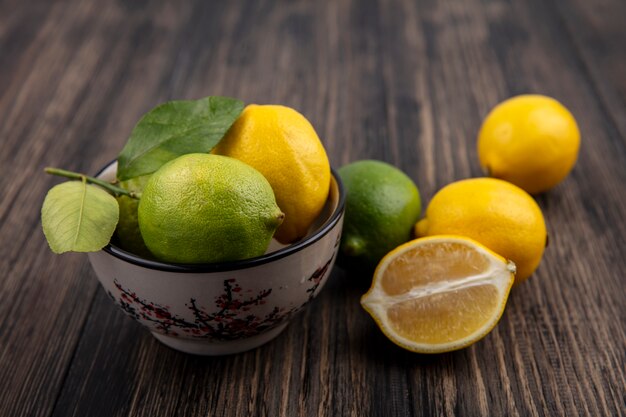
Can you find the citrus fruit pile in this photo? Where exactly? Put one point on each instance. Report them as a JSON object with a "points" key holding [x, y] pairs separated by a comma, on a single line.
{"points": [[269, 176], [211, 181], [448, 288]]}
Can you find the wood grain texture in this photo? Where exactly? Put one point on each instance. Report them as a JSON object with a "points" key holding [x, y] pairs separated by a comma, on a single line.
{"points": [[403, 81], [596, 30]]}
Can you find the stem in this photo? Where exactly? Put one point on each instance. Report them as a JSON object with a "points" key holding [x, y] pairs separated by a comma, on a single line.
{"points": [[116, 191]]}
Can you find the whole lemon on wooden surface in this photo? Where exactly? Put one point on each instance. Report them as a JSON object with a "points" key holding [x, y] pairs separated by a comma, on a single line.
{"points": [[382, 205], [201, 208], [494, 212], [283, 146], [531, 141]]}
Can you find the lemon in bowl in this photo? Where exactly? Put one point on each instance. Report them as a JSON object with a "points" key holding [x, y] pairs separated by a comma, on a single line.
{"points": [[282, 145]]}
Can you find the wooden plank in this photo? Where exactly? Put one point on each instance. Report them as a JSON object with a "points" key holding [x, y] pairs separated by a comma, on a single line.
{"points": [[116, 376], [597, 31], [66, 104]]}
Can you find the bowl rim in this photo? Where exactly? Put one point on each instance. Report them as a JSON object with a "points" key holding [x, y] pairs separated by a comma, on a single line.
{"points": [[330, 224]]}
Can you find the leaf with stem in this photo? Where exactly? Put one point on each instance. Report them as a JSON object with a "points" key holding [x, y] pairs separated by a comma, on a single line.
{"points": [[78, 217]]}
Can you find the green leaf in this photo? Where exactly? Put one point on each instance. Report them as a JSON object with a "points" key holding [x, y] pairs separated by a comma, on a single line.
{"points": [[173, 129], [78, 217]]}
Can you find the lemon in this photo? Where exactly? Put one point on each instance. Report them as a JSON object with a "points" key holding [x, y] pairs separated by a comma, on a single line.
{"points": [[281, 144], [127, 233], [439, 293], [531, 141], [382, 205], [498, 214], [201, 208]]}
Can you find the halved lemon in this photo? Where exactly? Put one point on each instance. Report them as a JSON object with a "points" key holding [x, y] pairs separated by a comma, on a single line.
{"points": [[440, 293]]}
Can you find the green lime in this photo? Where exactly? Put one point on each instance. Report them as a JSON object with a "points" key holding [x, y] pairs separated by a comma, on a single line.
{"points": [[127, 234], [382, 206], [202, 208]]}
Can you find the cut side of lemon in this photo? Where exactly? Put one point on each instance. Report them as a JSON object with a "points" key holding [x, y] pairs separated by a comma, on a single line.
{"points": [[440, 293]]}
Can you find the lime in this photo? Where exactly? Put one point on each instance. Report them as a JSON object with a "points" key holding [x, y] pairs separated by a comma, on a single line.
{"points": [[382, 205], [201, 208], [127, 234]]}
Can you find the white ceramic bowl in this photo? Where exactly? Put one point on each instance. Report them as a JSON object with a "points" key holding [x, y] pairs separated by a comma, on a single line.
{"points": [[223, 308]]}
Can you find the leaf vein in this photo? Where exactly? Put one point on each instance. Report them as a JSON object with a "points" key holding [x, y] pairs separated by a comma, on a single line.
{"points": [[80, 213]]}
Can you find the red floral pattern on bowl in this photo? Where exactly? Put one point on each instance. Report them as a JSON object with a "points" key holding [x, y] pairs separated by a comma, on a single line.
{"points": [[230, 319]]}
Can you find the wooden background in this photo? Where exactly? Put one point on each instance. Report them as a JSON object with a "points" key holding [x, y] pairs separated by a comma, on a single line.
{"points": [[404, 81]]}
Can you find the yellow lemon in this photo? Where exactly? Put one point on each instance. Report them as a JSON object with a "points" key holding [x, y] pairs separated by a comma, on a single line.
{"points": [[531, 141], [281, 144], [496, 213], [439, 293]]}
